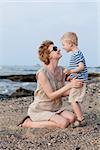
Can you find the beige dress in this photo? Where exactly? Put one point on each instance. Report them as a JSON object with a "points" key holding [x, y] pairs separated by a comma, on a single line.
{"points": [[43, 108]]}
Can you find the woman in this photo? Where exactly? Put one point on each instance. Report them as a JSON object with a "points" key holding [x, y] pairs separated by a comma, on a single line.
{"points": [[47, 110]]}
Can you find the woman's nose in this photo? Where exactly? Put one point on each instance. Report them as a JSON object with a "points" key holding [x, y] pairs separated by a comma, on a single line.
{"points": [[59, 49]]}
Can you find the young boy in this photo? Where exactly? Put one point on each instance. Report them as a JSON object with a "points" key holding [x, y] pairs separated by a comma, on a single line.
{"points": [[77, 68]]}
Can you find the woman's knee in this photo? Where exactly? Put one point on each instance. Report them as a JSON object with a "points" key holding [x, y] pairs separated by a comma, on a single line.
{"points": [[63, 124], [69, 115], [72, 118], [60, 121]]}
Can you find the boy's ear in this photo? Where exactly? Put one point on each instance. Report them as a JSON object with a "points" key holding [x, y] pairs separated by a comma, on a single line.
{"points": [[71, 44]]}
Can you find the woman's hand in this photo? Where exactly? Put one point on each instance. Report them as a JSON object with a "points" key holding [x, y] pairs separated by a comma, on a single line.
{"points": [[76, 83]]}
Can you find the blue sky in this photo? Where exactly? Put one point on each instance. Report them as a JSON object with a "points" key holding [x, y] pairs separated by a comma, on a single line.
{"points": [[25, 24]]}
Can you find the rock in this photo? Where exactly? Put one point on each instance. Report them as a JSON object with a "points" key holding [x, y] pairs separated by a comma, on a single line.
{"points": [[3, 96], [94, 76], [22, 92], [24, 78], [32, 77], [77, 148]]}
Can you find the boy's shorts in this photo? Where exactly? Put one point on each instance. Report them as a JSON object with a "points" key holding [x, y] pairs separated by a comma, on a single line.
{"points": [[77, 94]]}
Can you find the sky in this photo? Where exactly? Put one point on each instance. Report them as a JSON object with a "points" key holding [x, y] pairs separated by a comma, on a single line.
{"points": [[25, 24]]}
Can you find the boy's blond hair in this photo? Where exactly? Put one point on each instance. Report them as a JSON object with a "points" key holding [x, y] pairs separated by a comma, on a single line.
{"points": [[70, 36]]}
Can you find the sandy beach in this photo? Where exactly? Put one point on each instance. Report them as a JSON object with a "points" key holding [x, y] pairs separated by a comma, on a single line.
{"points": [[12, 137]]}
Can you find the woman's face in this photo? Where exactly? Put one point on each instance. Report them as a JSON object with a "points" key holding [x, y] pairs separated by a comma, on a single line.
{"points": [[55, 52]]}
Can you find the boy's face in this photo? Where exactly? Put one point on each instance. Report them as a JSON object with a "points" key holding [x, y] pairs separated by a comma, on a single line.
{"points": [[67, 46]]}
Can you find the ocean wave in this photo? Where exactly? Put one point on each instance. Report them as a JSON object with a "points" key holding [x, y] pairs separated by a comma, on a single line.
{"points": [[4, 91], [8, 86]]}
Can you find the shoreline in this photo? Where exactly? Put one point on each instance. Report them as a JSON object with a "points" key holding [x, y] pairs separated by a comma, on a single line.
{"points": [[31, 78]]}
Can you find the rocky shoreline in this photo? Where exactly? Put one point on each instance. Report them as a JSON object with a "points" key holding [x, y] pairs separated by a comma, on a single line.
{"points": [[13, 109], [23, 78], [32, 77], [21, 92]]}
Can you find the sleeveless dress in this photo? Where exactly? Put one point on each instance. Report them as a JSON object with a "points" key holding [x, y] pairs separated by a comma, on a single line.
{"points": [[43, 108]]}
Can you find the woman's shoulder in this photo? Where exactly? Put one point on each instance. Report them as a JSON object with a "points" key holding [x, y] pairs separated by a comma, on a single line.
{"points": [[42, 70]]}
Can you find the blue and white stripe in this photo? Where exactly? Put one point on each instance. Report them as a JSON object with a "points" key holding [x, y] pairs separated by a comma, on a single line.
{"points": [[76, 58]]}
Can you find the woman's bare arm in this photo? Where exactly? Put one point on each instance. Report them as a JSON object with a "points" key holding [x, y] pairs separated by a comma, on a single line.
{"points": [[45, 84]]}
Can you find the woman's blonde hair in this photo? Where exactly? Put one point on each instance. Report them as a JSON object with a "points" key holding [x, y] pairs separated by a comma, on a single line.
{"points": [[70, 36], [44, 53]]}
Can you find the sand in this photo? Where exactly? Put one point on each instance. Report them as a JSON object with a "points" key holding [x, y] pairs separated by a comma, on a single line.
{"points": [[12, 137]]}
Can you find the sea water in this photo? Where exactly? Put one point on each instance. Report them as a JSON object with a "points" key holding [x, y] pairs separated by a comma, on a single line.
{"points": [[8, 86]]}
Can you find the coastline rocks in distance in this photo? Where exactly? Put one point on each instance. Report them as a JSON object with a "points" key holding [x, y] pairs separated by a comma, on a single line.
{"points": [[94, 76], [23, 78], [21, 92], [32, 77]]}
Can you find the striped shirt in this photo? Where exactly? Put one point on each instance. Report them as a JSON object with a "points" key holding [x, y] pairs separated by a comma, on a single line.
{"points": [[76, 58]]}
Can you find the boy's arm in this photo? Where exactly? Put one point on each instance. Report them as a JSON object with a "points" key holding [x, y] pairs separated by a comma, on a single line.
{"points": [[78, 69]]}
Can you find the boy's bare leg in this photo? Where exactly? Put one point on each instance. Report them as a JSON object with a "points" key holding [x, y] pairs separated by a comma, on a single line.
{"points": [[77, 110]]}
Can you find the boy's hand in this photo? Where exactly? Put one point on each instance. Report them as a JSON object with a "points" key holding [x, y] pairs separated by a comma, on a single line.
{"points": [[67, 71], [68, 78]]}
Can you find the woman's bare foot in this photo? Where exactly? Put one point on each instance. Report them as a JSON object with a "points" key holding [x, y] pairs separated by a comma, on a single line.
{"points": [[25, 122]]}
